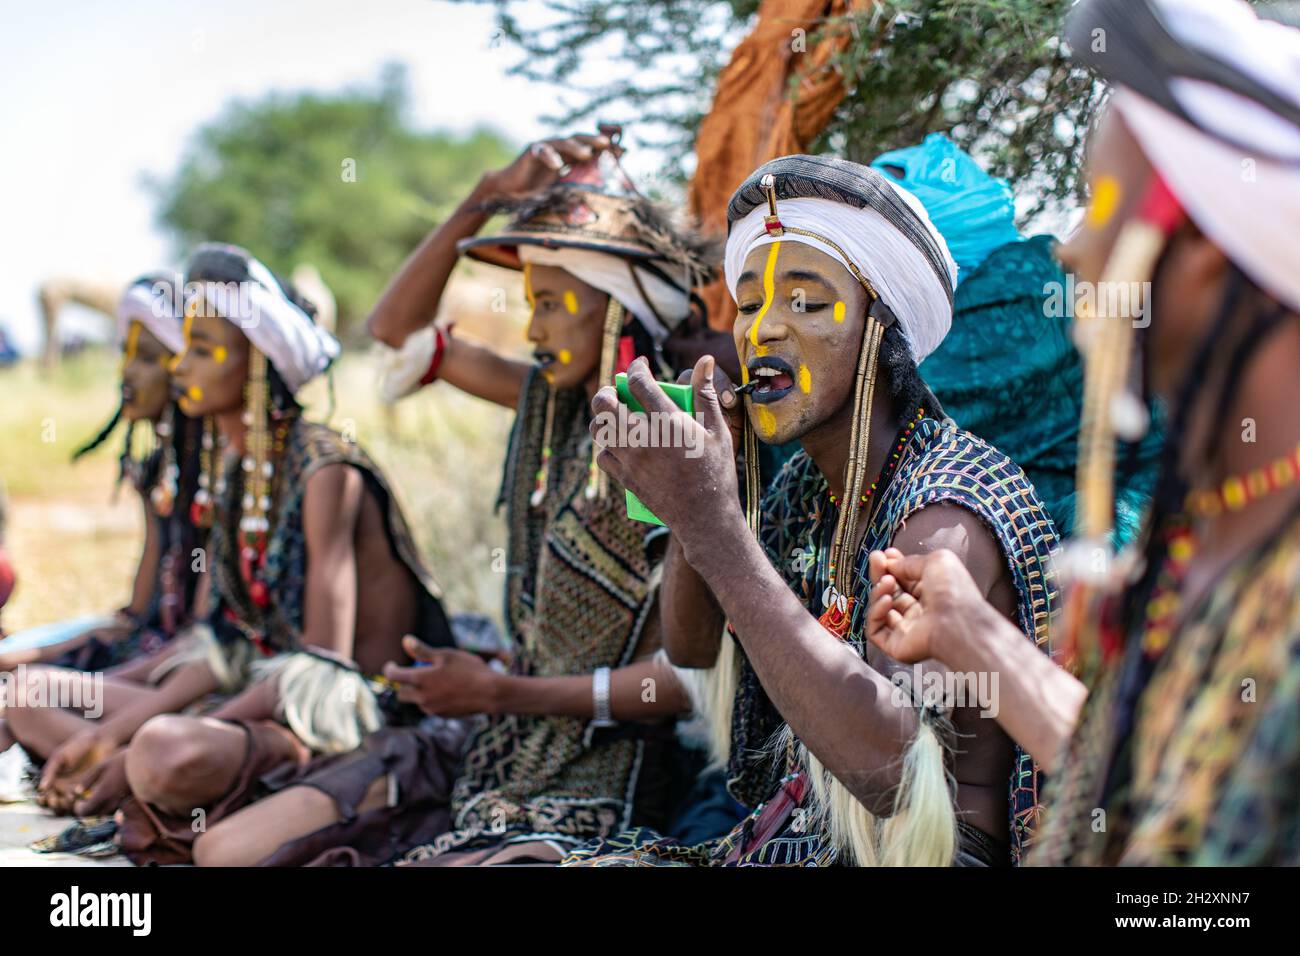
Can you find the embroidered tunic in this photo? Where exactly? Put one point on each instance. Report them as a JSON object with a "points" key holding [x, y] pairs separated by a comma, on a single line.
{"points": [[937, 463], [1213, 761], [581, 583]]}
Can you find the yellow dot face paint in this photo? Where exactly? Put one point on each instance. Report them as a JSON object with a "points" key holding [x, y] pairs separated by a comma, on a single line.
{"points": [[766, 421], [194, 393], [805, 379], [744, 375], [769, 291], [565, 356], [219, 355], [838, 312], [1106, 195], [570, 302]]}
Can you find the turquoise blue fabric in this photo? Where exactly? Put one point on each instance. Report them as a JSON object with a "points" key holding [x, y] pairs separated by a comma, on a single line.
{"points": [[974, 212], [1009, 372]]}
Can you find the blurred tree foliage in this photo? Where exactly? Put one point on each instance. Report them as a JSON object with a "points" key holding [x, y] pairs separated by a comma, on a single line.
{"points": [[337, 180], [990, 73]]}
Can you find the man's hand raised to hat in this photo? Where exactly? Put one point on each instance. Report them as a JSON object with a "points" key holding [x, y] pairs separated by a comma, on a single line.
{"points": [[542, 163], [691, 485]]}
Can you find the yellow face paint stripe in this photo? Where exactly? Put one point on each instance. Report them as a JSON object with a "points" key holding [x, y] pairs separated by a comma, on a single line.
{"points": [[769, 291], [132, 341], [1105, 200], [528, 285], [805, 379], [839, 311], [570, 302], [219, 355], [565, 356], [766, 420]]}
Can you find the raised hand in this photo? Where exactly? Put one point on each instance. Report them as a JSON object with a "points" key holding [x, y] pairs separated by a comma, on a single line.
{"points": [[542, 163], [922, 606], [731, 404]]}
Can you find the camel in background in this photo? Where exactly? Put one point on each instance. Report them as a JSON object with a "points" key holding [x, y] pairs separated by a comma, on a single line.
{"points": [[53, 294]]}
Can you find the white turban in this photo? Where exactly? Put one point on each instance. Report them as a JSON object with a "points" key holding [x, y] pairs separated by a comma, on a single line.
{"points": [[295, 346], [151, 304], [1247, 203], [612, 275], [896, 267]]}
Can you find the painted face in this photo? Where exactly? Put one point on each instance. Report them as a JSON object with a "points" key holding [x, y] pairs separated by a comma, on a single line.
{"points": [[211, 373], [1189, 284], [146, 383], [798, 329], [567, 325]]}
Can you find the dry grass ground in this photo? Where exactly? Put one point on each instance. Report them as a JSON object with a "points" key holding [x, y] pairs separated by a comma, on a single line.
{"points": [[75, 545]]}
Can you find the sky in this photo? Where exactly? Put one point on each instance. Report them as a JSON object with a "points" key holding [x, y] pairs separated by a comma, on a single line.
{"points": [[94, 94]]}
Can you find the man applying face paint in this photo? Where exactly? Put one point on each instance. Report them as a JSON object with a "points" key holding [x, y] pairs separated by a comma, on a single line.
{"points": [[842, 285]]}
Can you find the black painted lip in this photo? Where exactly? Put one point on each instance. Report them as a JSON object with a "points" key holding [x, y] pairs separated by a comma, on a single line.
{"points": [[771, 395], [544, 359], [771, 361]]}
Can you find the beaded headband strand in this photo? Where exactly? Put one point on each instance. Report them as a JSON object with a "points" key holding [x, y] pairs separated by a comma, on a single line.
{"points": [[838, 613]]}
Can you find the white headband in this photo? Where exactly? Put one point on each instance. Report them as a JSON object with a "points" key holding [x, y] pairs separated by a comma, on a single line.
{"points": [[896, 267], [611, 274], [150, 304], [1245, 202], [296, 346]]}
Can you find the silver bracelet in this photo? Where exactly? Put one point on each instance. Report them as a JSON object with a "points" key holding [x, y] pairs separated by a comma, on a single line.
{"points": [[600, 699]]}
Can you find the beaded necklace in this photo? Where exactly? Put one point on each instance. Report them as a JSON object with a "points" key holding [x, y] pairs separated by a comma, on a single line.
{"points": [[865, 497], [838, 613], [1233, 494], [1236, 492]]}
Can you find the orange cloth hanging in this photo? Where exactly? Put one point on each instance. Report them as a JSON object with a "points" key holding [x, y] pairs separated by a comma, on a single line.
{"points": [[755, 118]]}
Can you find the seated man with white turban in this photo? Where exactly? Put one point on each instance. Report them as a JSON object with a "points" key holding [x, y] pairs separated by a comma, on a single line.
{"points": [[162, 470], [314, 579], [842, 286]]}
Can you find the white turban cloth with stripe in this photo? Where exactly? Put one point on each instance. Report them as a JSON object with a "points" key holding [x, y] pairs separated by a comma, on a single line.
{"points": [[902, 275], [151, 304], [296, 347], [612, 275], [1244, 197]]}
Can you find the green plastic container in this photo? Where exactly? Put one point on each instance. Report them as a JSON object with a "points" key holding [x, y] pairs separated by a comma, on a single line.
{"points": [[683, 398]]}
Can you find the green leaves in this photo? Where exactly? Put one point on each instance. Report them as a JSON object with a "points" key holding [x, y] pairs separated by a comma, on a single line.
{"points": [[990, 73], [337, 180]]}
